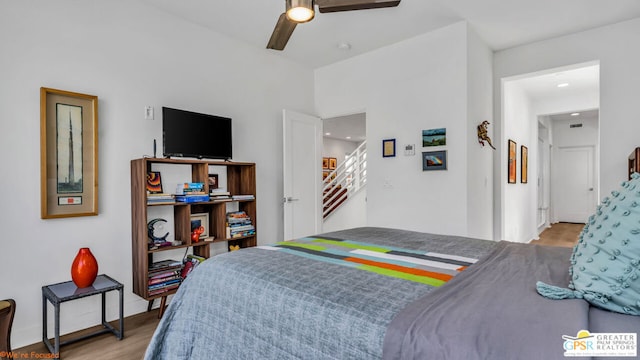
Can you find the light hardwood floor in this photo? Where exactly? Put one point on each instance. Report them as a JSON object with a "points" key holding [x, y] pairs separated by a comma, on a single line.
{"points": [[138, 330], [560, 234]]}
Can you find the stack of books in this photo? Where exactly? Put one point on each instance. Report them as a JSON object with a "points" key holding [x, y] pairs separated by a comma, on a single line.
{"points": [[160, 199], [243, 197], [190, 188], [239, 225], [219, 195], [191, 192], [164, 276]]}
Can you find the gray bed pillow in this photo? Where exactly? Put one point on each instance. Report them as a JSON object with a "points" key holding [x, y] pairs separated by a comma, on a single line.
{"points": [[605, 263]]}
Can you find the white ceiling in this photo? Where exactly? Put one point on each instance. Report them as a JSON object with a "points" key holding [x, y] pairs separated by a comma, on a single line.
{"points": [[581, 82], [501, 23], [348, 128]]}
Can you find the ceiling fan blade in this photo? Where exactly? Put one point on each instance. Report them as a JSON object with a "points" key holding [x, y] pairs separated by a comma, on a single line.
{"points": [[326, 6], [281, 33]]}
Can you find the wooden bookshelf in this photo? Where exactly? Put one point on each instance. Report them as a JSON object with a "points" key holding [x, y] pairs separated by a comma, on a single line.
{"points": [[634, 162], [241, 180]]}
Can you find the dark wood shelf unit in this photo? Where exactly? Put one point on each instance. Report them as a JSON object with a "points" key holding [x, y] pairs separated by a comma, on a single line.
{"points": [[634, 162], [241, 180]]}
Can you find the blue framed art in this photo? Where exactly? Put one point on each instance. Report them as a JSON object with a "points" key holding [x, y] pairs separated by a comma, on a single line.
{"points": [[389, 148]]}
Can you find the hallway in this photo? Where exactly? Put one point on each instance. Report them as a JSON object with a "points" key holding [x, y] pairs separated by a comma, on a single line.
{"points": [[560, 234]]}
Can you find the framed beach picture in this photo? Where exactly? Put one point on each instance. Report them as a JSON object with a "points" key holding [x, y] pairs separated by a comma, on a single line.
{"points": [[434, 160], [434, 137], [389, 148], [325, 163], [511, 164], [524, 164], [68, 154]]}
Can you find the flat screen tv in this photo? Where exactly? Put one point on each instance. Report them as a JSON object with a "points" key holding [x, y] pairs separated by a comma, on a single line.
{"points": [[191, 134]]}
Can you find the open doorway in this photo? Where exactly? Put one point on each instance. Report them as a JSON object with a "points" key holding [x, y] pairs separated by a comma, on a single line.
{"points": [[344, 174], [553, 117]]}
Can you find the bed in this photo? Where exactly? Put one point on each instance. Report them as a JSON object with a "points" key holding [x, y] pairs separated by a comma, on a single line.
{"points": [[372, 293]]}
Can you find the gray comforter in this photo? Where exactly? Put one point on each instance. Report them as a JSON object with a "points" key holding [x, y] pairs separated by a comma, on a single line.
{"points": [[262, 304], [492, 311]]}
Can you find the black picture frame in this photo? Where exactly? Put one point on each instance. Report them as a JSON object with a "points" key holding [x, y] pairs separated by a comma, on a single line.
{"points": [[434, 160]]}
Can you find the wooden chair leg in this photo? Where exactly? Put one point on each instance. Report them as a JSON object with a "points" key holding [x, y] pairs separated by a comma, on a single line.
{"points": [[7, 312], [163, 303], [150, 305]]}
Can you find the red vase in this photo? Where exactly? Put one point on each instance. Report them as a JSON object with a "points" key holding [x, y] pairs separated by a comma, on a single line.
{"points": [[84, 269]]}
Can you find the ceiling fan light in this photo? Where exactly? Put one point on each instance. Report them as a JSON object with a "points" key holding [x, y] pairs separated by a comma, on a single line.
{"points": [[300, 11]]}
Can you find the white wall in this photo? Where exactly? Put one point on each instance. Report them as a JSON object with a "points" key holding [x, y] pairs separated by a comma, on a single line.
{"points": [[417, 84], [352, 213], [618, 52], [519, 201], [129, 55], [337, 148], [479, 158]]}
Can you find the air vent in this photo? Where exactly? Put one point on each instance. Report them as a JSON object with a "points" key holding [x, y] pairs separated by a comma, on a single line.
{"points": [[575, 126]]}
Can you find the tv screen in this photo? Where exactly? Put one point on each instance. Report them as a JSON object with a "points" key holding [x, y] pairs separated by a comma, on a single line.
{"points": [[191, 134]]}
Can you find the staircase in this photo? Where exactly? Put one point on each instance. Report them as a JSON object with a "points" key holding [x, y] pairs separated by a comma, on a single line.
{"points": [[347, 179]]}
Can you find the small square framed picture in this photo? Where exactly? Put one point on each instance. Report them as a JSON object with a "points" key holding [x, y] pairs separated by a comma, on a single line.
{"points": [[389, 148], [213, 181]]}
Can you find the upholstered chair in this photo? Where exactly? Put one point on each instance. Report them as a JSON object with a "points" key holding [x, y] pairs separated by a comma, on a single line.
{"points": [[7, 310]]}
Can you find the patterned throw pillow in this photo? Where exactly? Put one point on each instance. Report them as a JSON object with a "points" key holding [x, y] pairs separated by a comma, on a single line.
{"points": [[605, 264]]}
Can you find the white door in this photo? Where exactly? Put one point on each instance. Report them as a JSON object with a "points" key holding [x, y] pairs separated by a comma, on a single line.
{"points": [[302, 163], [575, 184]]}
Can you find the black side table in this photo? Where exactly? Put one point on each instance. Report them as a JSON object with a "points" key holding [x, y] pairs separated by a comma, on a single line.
{"points": [[67, 291]]}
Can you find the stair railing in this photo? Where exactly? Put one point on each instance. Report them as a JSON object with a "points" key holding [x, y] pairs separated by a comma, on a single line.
{"points": [[347, 179]]}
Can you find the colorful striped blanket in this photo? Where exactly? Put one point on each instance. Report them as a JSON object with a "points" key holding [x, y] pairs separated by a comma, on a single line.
{"points": [[431, 268]]}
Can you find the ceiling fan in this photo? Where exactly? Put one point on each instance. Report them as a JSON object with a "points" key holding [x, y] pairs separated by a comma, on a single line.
{"points": [[301, 11]]}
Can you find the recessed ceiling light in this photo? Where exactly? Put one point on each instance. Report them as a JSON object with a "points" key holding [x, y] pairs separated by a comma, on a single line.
{"points": [[327, 133], [575, 114], [348, 137], [563, 85]]}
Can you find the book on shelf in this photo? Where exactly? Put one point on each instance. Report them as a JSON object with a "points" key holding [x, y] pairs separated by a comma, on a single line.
{"points": [[243, 197], [189, 188], [162, 280], [164, 265], [158, 291], [192, 198], [165, 283], [219, 191], [163, 275], [160, 198]]}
